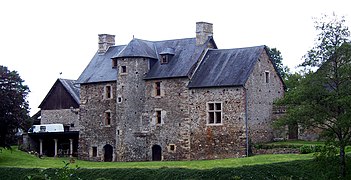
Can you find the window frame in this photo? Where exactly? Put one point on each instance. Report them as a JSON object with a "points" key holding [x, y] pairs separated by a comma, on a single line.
{"points": [[108, 92], [157, 88], [164, 59], [158, 116], [267, 76], [214, 111], [94, 152], [107, 118], [170, 148], [123, 69], [114, 63]]}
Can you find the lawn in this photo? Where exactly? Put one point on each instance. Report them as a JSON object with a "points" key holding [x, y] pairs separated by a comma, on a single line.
{"points": [[296, 142], [20, 165], [17, 158]]}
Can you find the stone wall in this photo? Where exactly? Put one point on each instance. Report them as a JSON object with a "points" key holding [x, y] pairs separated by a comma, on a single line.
{"points": [[94, 131], [174, 128], [209, 141], [67, 117], [261, 94], [132, 143]]}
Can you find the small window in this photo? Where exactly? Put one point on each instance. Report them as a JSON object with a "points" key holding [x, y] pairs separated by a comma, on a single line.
{"points": [[94, 151], [119, 99], [72, 124], [107, 118], [172, 147], [108, 92], [267, 76], [164, 59], [123, 69], [42, 128], [158, 117], [214, 111], [158, 88], [114, 63]]}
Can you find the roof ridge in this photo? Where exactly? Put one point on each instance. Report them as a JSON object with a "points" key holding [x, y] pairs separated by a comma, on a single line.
{"points": [[260, 46]]}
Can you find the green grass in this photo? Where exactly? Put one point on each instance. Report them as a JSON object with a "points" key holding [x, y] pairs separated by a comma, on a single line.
{"points": [[17, 158], [20, 165], [297, 142]]}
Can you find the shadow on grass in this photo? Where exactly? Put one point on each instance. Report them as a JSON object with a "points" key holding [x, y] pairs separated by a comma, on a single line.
{"points": [[300, 169]]}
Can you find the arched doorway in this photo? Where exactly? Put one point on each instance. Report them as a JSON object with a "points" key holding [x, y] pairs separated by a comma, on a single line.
{"points": [[108, 150], [156, 153]]}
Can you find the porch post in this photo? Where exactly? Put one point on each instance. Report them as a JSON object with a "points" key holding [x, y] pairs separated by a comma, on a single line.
{"points": [[55, 147], [70, 147], [40, 147]]}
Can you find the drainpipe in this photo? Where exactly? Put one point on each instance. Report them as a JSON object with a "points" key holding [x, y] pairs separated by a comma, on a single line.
{"points": [[246, 125]]}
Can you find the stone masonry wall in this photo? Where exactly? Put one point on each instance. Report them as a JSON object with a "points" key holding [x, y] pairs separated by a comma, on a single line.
{"points": [[261, 95], [67, 117], [94, 131], [209, 141], [131, 141], [174, 129]]}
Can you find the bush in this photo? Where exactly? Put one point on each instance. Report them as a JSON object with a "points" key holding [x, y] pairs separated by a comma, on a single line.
{"points": [[326, 153], [306, 149]]}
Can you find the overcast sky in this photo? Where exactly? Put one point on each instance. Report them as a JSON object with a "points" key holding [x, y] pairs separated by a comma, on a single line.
{"points": [[41, 38]]}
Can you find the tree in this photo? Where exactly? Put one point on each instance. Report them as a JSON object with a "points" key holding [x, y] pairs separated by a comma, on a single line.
{"points": [[323, 97], [277, 59], [13, 105]]}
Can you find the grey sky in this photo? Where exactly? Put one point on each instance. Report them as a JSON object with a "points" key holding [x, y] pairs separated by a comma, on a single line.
{"points": [[41, 38]]}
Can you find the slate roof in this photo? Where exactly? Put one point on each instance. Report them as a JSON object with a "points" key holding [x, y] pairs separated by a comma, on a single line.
{"points": [[138, 48], [72, 88], [186, 54], [70, 85], [100, 67], [226, 67]]}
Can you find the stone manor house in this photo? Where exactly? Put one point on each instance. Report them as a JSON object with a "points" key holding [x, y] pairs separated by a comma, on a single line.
{"points": [[180, 99]]}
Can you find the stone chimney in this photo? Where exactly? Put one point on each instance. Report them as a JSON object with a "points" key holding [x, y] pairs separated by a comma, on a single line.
{"points": [[105, 41], [203, 31]]}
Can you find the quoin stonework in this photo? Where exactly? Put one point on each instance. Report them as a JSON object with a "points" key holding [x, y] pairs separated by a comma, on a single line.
{"points": [[180, 99]]}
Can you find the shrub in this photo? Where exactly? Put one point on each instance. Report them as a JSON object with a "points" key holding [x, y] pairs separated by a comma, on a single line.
{"points": [[326, 153], [305, 149]]}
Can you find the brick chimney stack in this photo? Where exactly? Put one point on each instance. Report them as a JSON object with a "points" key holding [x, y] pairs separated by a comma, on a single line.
{"points": [[105, 41], [203, 31]]}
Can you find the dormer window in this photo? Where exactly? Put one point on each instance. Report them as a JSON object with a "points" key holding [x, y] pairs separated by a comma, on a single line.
{"points": [[164, 58], [166, 55], [114, 63]]}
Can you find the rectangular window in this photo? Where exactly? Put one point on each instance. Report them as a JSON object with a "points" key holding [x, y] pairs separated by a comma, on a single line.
{"points": [[267, 76], [123, 69], [108, 92], [172, 147], [158, 88], [94, 151], [214, 111], [114, 63], [107, 118], [158, 117], [164, 59]]}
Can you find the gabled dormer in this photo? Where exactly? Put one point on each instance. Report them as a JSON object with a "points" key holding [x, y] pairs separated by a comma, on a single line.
{"points": [[166, 55]]}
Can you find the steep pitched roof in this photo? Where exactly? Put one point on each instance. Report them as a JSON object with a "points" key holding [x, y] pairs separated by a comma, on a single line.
{"points": [[226, 67], [186, 54], [138, 48], [100, 67], [70, 86]]}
